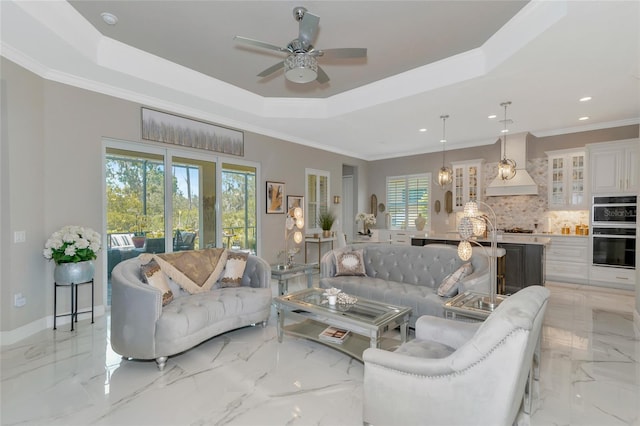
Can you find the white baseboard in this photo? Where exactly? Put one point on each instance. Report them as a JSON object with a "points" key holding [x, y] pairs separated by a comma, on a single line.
{"points": [[13, 336]]}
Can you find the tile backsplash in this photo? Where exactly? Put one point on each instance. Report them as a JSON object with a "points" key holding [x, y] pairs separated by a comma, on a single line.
{"points": [[525, 211]]}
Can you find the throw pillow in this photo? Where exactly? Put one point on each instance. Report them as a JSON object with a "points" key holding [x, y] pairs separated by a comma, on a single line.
{"points": [[153, 275], [449, 285], [234, 270], [196, 271], [350, 263]]}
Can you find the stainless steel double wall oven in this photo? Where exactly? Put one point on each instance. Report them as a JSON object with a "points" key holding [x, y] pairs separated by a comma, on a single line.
{"points": [[614, 231]]}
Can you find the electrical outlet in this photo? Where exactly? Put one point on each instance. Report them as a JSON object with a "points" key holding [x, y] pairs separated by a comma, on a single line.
{"points": [[19, 300]]}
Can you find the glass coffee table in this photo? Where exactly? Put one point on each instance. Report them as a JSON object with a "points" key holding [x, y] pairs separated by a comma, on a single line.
{"points": [[367, 320]]}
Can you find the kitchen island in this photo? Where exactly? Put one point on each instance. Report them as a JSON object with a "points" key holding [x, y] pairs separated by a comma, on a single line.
{"points": [[525, 258]]}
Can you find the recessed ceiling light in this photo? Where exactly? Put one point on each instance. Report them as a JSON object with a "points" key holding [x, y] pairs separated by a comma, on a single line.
{"points": [[583, 118], [443, 140], [492, 116], [109, 18], [504, 131], [423, 130], [585, 99]]}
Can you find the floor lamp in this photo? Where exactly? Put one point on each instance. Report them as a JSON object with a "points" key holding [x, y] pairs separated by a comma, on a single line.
{"points": [[475, 223]]}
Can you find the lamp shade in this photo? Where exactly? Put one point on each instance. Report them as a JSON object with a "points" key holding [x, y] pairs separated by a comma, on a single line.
{"points": [[471, 209], [479, 226], [297, 212], [465, 250], [297, 237], [465, 228]]}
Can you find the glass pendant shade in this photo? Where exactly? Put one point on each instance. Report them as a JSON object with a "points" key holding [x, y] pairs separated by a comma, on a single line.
{"points": [[465, 228], [297, 237], [506, 169], [297, 212], [465, 250], [445, 176]]}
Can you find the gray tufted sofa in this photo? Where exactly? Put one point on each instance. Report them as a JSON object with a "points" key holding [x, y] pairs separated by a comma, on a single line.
{"points": [[142, 328], [406, 275]]}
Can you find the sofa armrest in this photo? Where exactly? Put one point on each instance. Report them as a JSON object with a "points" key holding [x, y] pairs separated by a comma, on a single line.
{"points": [[257, 273], [447, 332], [135, 308]]}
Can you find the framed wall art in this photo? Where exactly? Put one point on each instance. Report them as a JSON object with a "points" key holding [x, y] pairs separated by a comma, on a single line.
{"points": [[294, 201], [275, 197], [159, 126]]}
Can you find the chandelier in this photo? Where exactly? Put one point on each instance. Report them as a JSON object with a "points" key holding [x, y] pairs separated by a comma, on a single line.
{"points": [[445, 174], [506, 167]]}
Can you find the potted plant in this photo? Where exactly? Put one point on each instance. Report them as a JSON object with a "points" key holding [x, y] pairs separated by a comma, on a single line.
{"points": [[73, 249], [325, 220], [139, 236]]}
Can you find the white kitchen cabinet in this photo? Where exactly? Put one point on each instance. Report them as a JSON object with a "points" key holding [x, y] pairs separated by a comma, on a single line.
{"points": [[567, 180], [614, 167], [467, 182], [394, 236], [567, 259]]}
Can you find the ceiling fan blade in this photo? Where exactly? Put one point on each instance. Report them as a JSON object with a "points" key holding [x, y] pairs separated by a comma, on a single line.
{"points": [[322, 76], [308, 28], [259, 43], [272, 69], [345, 52]]}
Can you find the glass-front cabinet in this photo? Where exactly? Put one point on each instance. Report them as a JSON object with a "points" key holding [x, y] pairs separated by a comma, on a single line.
{"points": [[467, 182], [567, 179]]}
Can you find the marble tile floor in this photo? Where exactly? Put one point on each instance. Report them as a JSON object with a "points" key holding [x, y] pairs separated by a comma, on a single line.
{"points": [[590, 375]]}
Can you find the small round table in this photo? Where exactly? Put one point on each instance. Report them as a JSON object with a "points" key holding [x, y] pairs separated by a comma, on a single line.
{"points": [[74, 302]]}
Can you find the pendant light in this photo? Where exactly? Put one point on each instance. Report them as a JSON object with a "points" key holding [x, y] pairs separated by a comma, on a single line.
{"points": [[506, 167], [445, 174]]}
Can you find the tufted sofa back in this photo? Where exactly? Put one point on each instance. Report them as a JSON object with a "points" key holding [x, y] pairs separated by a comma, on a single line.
{"points": [[418, 265]]}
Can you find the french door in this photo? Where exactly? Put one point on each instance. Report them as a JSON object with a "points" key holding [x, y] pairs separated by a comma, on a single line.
{"points": [[204, 201]]}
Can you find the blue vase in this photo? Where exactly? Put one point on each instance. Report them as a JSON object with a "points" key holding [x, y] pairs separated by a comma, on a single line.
{"points": [[79, 272]]}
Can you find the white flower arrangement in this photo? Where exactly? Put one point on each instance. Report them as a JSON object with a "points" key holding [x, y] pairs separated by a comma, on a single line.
{"points": [[366, 218], [72, 244]]}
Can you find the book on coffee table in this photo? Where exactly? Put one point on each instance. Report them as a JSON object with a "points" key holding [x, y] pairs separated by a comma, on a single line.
{"points": [[334, 334]]}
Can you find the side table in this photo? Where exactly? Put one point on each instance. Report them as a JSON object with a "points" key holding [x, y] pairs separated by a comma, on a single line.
{"points": [[319, 241], [283, 274], [74, 302], [468, 305]]}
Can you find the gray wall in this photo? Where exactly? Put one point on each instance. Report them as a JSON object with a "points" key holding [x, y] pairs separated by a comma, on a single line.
{"points": [[51, 176]]}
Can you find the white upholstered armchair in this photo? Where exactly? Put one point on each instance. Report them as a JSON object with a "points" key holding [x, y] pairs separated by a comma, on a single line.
{"points": [[458, 373]]}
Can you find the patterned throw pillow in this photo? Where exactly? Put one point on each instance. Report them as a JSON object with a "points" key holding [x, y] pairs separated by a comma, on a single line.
{"points": [[350, 263], [449, 285], [234, 270], [153, 275]]}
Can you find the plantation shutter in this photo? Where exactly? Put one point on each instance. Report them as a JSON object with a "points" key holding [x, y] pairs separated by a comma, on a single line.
{"points": [[407, 196]]}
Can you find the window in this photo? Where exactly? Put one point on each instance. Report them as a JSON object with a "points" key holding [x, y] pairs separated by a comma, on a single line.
{"points": [[239, 212], [317, 196], [408, 196]]}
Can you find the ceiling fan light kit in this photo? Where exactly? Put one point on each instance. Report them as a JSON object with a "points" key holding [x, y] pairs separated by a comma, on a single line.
{"points": [[301, 68]]}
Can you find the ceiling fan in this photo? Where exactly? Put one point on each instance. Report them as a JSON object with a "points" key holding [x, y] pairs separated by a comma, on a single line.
{"points": [[301, 63]]}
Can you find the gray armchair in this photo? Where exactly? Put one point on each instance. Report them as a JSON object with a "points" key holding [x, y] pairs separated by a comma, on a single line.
{"points": [[458, 372]]}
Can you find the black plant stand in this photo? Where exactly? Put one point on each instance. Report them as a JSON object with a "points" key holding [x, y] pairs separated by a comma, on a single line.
{"points": [[74, 302]]}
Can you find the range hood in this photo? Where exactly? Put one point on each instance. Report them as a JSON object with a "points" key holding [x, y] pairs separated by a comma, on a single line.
{"points": [[522, 183]]}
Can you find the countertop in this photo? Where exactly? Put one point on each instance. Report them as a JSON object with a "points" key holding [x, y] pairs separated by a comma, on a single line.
{"points": [[539, 239]]}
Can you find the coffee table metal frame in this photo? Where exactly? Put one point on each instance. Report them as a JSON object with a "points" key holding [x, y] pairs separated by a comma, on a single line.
{"points": [[367, 320]]}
